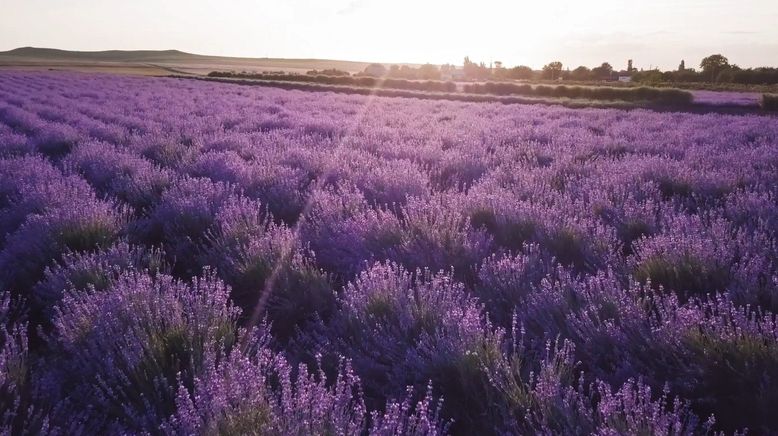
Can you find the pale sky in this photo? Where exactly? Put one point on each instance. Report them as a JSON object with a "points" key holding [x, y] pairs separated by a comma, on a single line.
{"points": [[575, 32]]}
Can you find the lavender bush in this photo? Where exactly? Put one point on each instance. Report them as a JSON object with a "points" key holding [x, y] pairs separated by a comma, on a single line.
{"points": [[186, 257]]}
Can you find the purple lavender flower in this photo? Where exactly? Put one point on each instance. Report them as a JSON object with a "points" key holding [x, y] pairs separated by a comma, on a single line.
{"points": [[124, 350]]}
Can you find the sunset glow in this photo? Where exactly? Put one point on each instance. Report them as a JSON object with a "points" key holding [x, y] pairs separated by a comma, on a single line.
{"points": [[657, 33]]}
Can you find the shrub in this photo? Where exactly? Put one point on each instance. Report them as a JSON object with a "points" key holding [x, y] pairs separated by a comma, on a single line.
{"points": [[505, 281], [14, 144], [346, 233], [261, 393], [658, 95], [134, 342], [219, 166], [56, 140], [43, 239], [182, 219], [24, 403], [31, 185], [684, 273], [169, 152], [457, 171], [267, 268], [689, 258], [96, 270], [633, 218], [580, 243], [14, 367], [282, 189], [546, 400], [717, 356], [770, 102], [400, 418], [390, 183], [439, 237], [143, 188], [345, 80], [20, 119], [511, 223], [733, 366], [127, 176], [403, 329]]}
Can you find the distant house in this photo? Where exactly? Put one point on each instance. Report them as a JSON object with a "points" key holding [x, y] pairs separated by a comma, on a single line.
{"points": [[375, 70], [625, 78]]}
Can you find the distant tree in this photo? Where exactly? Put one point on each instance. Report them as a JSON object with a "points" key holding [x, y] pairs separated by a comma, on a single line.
{"points": [[602, 72], [475, 71], [428, 72], [687, 75], [375, 70], [728, 74], [552, 70], [521, 72], [716, 68], [581, 73], [447, 68], [713, 65], [469, 67], [762, 76], [407, 72], [328, 72], [650, 77], [499, 71]]}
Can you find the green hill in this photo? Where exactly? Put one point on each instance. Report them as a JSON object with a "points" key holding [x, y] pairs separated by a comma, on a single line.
{"points": [[161, 61]]}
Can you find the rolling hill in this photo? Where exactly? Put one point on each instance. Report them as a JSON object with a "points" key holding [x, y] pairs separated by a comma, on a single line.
{"points": [[158, 62]]}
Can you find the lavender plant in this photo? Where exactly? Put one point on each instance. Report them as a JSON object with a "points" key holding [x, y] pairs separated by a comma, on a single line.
{"points": [[123, 351]]}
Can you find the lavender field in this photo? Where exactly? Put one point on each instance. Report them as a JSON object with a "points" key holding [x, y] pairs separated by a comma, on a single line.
{"points": [[183, 257]]}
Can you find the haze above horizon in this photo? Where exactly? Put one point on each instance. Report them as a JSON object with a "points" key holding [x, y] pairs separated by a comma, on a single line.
{"points": [[515, 32]]}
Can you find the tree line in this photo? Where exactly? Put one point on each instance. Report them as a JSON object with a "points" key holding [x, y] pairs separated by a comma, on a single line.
{"points": [[713, 69]]}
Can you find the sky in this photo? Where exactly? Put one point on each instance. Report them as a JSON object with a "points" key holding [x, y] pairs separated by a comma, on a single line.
{"points": [[656, 33]]}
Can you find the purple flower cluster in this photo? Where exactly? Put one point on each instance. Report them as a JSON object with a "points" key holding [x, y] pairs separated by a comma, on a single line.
{"points": [[183, 257]]}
